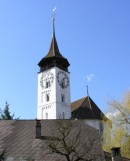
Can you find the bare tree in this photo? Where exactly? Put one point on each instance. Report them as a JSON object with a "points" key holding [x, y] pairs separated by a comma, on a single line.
{"points": [[122, 109], [72, 140], [121, 123]]}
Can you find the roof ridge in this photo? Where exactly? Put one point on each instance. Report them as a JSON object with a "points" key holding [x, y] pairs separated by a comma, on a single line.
{"points": [[79, 99]]}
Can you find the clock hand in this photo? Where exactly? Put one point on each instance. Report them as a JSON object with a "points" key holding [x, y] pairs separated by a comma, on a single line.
{"points": [[63, 83]]}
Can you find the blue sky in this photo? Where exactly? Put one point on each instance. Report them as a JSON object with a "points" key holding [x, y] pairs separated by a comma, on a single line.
{"points": [[94, 35]]}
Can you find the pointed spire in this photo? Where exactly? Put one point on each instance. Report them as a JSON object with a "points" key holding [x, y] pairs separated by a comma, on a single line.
{"points": [[54, 50], [53, 57]]}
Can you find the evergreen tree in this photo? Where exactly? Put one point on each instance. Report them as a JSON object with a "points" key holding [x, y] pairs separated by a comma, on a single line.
{"points": [[5, 114]]}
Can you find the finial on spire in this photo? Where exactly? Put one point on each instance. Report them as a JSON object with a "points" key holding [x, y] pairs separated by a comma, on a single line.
{"points": [[89, 99], [53, 19], [87, 91], [53, 14]]}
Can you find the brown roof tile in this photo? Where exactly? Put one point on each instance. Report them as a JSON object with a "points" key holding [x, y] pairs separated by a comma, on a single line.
{"points": [[76, 104]]}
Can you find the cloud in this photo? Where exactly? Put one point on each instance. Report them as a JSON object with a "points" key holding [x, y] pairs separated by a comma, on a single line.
{"points": [[89, 77], [112, 115], [54, 9]]}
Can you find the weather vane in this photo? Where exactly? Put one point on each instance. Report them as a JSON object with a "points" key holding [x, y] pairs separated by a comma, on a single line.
{"points": [[53, 14]]}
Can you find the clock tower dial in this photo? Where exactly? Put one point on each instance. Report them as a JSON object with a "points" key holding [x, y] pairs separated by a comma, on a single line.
{"points": [[62, 79], [47, 80]]}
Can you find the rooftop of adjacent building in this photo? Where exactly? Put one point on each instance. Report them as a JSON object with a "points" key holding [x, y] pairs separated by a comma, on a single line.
{"points": [[86, 108]]}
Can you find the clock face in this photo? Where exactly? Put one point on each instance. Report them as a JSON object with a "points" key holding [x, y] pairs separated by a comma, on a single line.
{"points": [[47, 80], [62, 79]]}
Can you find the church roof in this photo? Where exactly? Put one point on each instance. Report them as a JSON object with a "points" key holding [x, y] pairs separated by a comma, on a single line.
{"points": [[54, 57], [85, 108], [18, 138]]}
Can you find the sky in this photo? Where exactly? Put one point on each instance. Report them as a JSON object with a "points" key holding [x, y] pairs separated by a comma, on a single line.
{"points": [[94, 35]]}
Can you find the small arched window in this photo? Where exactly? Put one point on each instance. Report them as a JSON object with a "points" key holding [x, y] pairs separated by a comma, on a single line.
{"points": [[47, 97], [62, 98], [46, 115]]}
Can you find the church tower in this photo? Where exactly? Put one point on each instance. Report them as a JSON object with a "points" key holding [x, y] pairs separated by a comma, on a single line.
{"points": [[53, 84]]}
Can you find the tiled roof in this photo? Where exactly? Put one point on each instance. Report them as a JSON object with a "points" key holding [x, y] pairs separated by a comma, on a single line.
{"points": [[85, 108], [17, 137], [76, 104]]}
